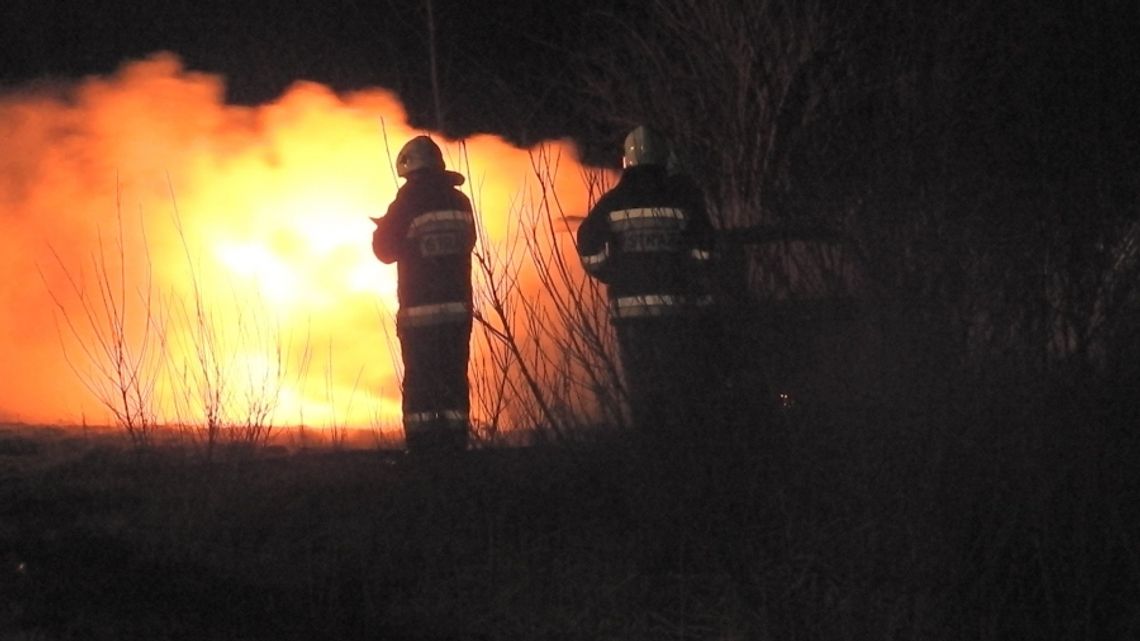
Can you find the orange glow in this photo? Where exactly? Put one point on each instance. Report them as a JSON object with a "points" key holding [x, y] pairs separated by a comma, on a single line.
{"points": [[245, 234]]}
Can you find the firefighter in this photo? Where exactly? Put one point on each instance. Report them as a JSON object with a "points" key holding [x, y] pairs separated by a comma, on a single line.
{"points": [[649, 240], [429, 232]]}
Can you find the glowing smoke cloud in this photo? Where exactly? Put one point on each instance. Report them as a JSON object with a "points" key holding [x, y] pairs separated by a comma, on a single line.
{"points": [[261, 214]]}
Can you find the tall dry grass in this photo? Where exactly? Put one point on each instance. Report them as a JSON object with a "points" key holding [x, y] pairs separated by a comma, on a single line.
{"points": [[164, 362]]}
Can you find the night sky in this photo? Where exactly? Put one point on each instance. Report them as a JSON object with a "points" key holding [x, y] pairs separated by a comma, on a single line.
{"points": [[504, 67]]}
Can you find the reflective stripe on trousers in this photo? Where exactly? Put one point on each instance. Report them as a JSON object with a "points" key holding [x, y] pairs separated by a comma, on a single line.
{"points": [[415, 422], [435, 314], [655, 305]]}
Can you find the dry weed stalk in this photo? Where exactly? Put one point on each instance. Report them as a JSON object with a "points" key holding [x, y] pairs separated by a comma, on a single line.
{"points": [[119, 334]]}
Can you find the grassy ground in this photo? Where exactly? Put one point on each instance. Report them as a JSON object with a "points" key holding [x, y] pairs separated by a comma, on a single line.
{"points": [[977, 521]]}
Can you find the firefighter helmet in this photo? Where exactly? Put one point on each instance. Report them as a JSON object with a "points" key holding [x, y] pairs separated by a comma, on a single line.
{"points": [[418, 153], [644, 146]]}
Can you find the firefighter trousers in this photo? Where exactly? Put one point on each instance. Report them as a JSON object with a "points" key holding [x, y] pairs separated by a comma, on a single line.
{"points": [[670, 372], [436, 396]]}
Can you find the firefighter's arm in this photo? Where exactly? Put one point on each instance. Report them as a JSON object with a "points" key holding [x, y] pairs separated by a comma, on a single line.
{"points": [[594, 245], [387, 237], [702, 236]]}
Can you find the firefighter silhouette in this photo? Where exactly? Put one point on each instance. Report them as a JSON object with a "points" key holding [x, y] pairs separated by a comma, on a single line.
{"points": [[429, 232], [649, 240]]}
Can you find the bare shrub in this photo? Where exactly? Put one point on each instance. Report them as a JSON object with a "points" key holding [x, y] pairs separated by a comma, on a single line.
{"points": [[117, 335], [156, 358], [223, 397], [733, 84], [544, 356]]}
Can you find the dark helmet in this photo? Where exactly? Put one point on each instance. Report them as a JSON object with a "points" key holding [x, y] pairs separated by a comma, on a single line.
{"points": [[418, 153], [644, 146]]}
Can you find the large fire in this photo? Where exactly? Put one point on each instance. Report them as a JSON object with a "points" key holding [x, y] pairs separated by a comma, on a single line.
{"points": [[228, 246]]}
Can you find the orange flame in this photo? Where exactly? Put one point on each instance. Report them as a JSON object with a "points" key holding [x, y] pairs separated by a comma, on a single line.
{"points": [[245, 243]]}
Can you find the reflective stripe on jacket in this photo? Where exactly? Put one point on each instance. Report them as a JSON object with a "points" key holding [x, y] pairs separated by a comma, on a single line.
{"points": [[595, 263], [443, 232], [648, 218], [649, 235], [649, 229], [655, 305], [433, 314]]}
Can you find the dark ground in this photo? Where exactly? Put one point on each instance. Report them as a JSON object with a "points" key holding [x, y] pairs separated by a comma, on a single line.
{"points": [[978, 521]]}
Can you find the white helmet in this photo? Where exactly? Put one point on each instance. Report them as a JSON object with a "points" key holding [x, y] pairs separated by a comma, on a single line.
{"points": [[643, 146], [418, 153]]}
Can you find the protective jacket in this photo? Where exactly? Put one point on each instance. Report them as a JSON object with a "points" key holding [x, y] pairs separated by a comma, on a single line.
{"points": [[429, 232], [649, 239]]}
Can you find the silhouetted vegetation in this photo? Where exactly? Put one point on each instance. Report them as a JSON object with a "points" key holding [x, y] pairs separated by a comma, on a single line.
{"points": [[977, 164], [977, 160]]}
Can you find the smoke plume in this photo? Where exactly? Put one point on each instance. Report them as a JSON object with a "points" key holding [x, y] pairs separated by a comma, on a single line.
{"points": [[228, 246]]}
